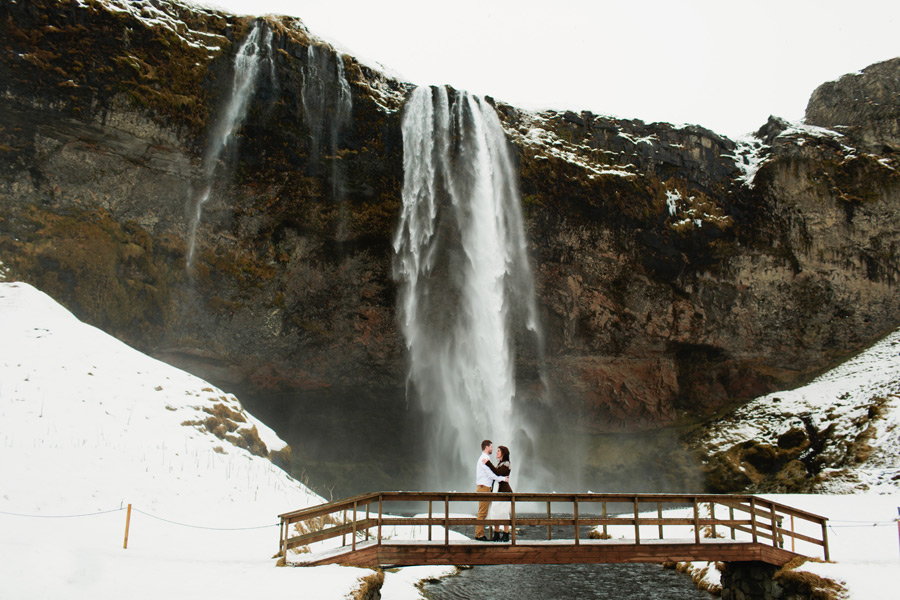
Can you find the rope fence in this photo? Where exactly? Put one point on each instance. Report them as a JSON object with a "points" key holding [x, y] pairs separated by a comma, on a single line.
{"points": [[129, 510]]}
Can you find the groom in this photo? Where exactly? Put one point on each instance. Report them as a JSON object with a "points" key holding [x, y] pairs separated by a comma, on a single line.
{"points": [[484, 481]]}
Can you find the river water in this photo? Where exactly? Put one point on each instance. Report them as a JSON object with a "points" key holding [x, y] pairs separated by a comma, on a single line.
{"points": [[564, 582]]}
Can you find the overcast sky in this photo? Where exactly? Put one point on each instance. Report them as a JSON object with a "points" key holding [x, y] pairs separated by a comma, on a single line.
{"points": [[721, 64]]}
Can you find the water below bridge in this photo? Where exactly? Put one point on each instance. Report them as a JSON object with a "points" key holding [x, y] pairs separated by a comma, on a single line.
{"points": [[564, 582]]}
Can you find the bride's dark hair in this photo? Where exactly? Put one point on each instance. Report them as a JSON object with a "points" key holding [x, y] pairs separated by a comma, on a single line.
{"points": [[504, 453]]}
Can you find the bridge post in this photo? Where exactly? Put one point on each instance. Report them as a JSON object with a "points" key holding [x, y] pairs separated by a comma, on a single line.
{"points": [[429, 520], [446, 520], [825, 539], [380, 515], [753, 517], [659, 516], [774, 525], [696, 521], [637, 529], [353, 537], [512, 516], [368, 505], [712, 515], [605, 533], [548, 518], [575, 505], [731, 517], [344, 535]]}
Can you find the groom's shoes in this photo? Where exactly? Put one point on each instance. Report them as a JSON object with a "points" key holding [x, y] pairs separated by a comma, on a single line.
{"points": [[481, 538], [496, 537]]}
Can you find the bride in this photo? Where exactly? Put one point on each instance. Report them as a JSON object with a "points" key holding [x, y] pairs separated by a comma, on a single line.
{"points": [[499, 508]]}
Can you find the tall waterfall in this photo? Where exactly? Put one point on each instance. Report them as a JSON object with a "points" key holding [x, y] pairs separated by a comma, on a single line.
{"points": [[466, 290], [246, 70]]}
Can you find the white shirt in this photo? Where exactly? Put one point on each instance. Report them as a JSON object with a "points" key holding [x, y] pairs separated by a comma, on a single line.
{"points": [[483, 474]]}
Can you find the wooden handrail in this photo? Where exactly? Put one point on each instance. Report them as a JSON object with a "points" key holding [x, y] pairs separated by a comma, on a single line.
{"points": [[764, 518]]}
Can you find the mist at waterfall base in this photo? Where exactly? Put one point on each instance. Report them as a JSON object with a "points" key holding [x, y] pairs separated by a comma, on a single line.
{"points": [[250, 54]]}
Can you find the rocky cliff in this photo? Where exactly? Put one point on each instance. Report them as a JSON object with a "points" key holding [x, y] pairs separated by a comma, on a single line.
{"points": [[677, 271]]}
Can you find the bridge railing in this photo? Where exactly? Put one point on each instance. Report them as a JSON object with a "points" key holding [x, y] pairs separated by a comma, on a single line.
{"points": [[642, 517]]}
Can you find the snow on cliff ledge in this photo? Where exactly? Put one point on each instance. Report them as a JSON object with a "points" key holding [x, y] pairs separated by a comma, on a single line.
{"points": [[89, 425]]}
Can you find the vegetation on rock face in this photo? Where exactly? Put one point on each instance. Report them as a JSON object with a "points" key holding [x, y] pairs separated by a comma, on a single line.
{"points": [[115, 274], [81, 57]]}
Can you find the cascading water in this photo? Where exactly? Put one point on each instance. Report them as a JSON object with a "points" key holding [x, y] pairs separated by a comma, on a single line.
{"points": [[326, 99], [327, 106], [246, 69], [466, 290]]}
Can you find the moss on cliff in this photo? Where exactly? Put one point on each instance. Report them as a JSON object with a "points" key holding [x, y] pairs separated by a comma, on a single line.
{"points": [[114, 275], [86, 55]]}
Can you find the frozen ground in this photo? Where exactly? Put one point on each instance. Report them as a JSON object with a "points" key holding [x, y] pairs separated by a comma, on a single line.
{"points": [[90, 425]]}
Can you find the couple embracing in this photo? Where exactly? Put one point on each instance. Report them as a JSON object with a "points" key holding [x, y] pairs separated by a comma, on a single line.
{"points": [[486, 474]]}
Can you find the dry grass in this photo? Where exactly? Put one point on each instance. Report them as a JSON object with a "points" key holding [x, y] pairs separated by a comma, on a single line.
{"points": [[598, 535], [231, 426], [809, 584], [369, 587], [697, 575], [311, 526]]}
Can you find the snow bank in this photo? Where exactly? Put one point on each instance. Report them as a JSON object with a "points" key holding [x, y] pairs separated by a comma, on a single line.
{"points": [[863, 392], [90, 425], [862, 534]]}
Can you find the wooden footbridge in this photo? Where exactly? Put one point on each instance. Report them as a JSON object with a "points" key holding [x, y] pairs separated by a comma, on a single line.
{"points": [[605, 528]]}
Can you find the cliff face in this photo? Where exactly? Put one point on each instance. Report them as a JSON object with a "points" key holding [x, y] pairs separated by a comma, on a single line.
{"points": [[677, 271], [865, 106]]}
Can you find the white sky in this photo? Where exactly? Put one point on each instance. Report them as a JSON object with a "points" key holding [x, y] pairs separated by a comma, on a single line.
{"points": [[722, 64]]}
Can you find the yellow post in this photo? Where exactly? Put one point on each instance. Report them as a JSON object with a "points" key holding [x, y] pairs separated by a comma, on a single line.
{"points": [[127, 525]]}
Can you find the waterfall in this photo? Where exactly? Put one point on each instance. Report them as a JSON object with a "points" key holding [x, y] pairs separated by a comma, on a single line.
{"points": [[246, 69], [466, 290], [327, 107], [326, 99]]}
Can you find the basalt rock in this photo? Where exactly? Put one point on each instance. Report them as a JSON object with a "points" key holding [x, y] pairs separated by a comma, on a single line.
{"points": [[677, 271]]}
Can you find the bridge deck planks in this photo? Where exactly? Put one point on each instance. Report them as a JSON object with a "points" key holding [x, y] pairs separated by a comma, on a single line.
{"points": [[406, 553]]}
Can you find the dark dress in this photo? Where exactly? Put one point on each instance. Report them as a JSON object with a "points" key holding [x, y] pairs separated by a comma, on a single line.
{"points": [[503, 470]]}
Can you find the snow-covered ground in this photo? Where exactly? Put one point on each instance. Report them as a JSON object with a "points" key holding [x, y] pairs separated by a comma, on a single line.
{"points": [[89, 425], [862, 538], [856, 402]]}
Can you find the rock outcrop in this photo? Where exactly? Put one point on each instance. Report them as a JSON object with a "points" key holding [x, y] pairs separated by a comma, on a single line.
{"points": [[677, 271], [865, 106]]}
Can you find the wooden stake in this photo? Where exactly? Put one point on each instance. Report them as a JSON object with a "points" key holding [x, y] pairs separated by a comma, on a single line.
{"points": [[127, 526]]}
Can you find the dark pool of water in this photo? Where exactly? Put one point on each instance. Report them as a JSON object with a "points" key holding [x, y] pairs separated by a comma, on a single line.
{"points": [[564, 582]]}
